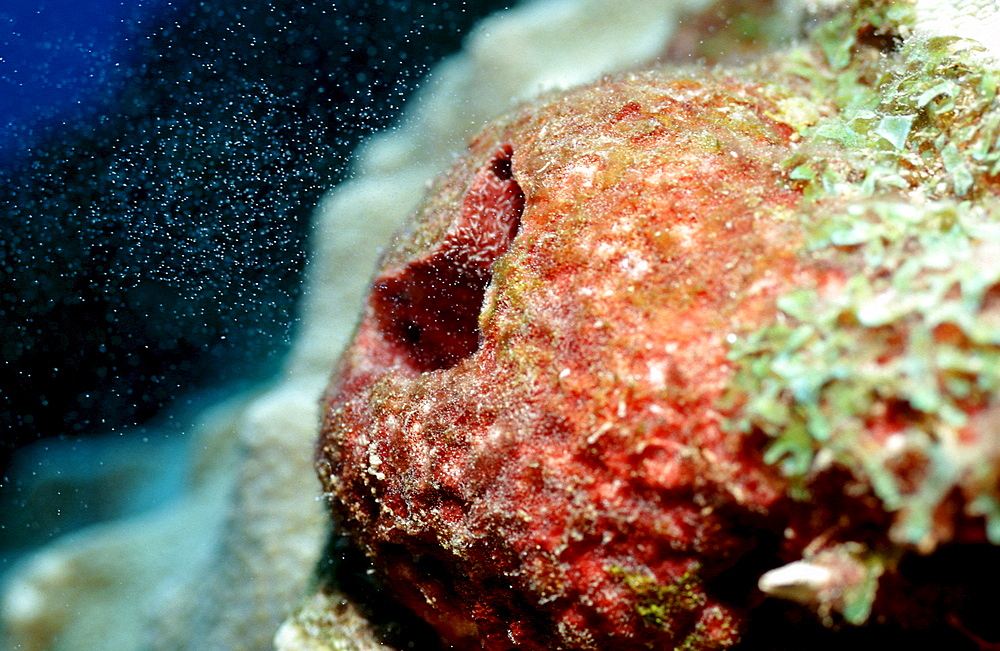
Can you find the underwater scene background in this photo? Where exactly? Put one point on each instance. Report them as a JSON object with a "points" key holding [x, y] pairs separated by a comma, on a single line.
{"points": [[160, 160], [196, 195]]}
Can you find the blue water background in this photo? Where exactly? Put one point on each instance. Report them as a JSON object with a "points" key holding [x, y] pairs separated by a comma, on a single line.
{"points": [[59, 59], [159, 162]]}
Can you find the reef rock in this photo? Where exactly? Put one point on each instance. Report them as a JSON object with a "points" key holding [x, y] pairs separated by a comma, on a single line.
{"points": [[662, 348], [222, 564], [523, 431], [837, 452]]}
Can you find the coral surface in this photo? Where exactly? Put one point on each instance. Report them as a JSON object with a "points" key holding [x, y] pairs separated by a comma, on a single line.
{"points": [[220, 566], [524, 432], [661, 348]]}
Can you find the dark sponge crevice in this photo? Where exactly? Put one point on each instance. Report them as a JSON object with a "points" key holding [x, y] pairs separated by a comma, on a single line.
{"points": [[430, 307]]}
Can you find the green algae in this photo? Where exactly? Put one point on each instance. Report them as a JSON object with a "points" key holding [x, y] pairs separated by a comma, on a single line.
{"points": [[905, 114], [663, 605], [912, 336], [898, 178]]}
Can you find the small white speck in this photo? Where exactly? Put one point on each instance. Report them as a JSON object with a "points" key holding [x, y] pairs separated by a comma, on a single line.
{"points": [[799, 581], [657, 374]]}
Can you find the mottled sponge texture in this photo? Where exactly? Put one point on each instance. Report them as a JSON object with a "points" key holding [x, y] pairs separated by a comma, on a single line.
{"points": [[659, 350], [524, 432]]}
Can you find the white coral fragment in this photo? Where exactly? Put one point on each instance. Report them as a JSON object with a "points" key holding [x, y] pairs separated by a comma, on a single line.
{"points": [[799, 581], [842, 578], [978, 20]]}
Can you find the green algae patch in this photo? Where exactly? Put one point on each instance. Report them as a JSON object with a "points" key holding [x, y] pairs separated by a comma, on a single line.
{"points": [[661, 604], [903, 114], [887, 364], [882, 367], [665, 604]]}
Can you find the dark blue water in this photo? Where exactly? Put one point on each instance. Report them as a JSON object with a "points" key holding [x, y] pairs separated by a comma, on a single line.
{"points": [[159, 162], [59, 58]]}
